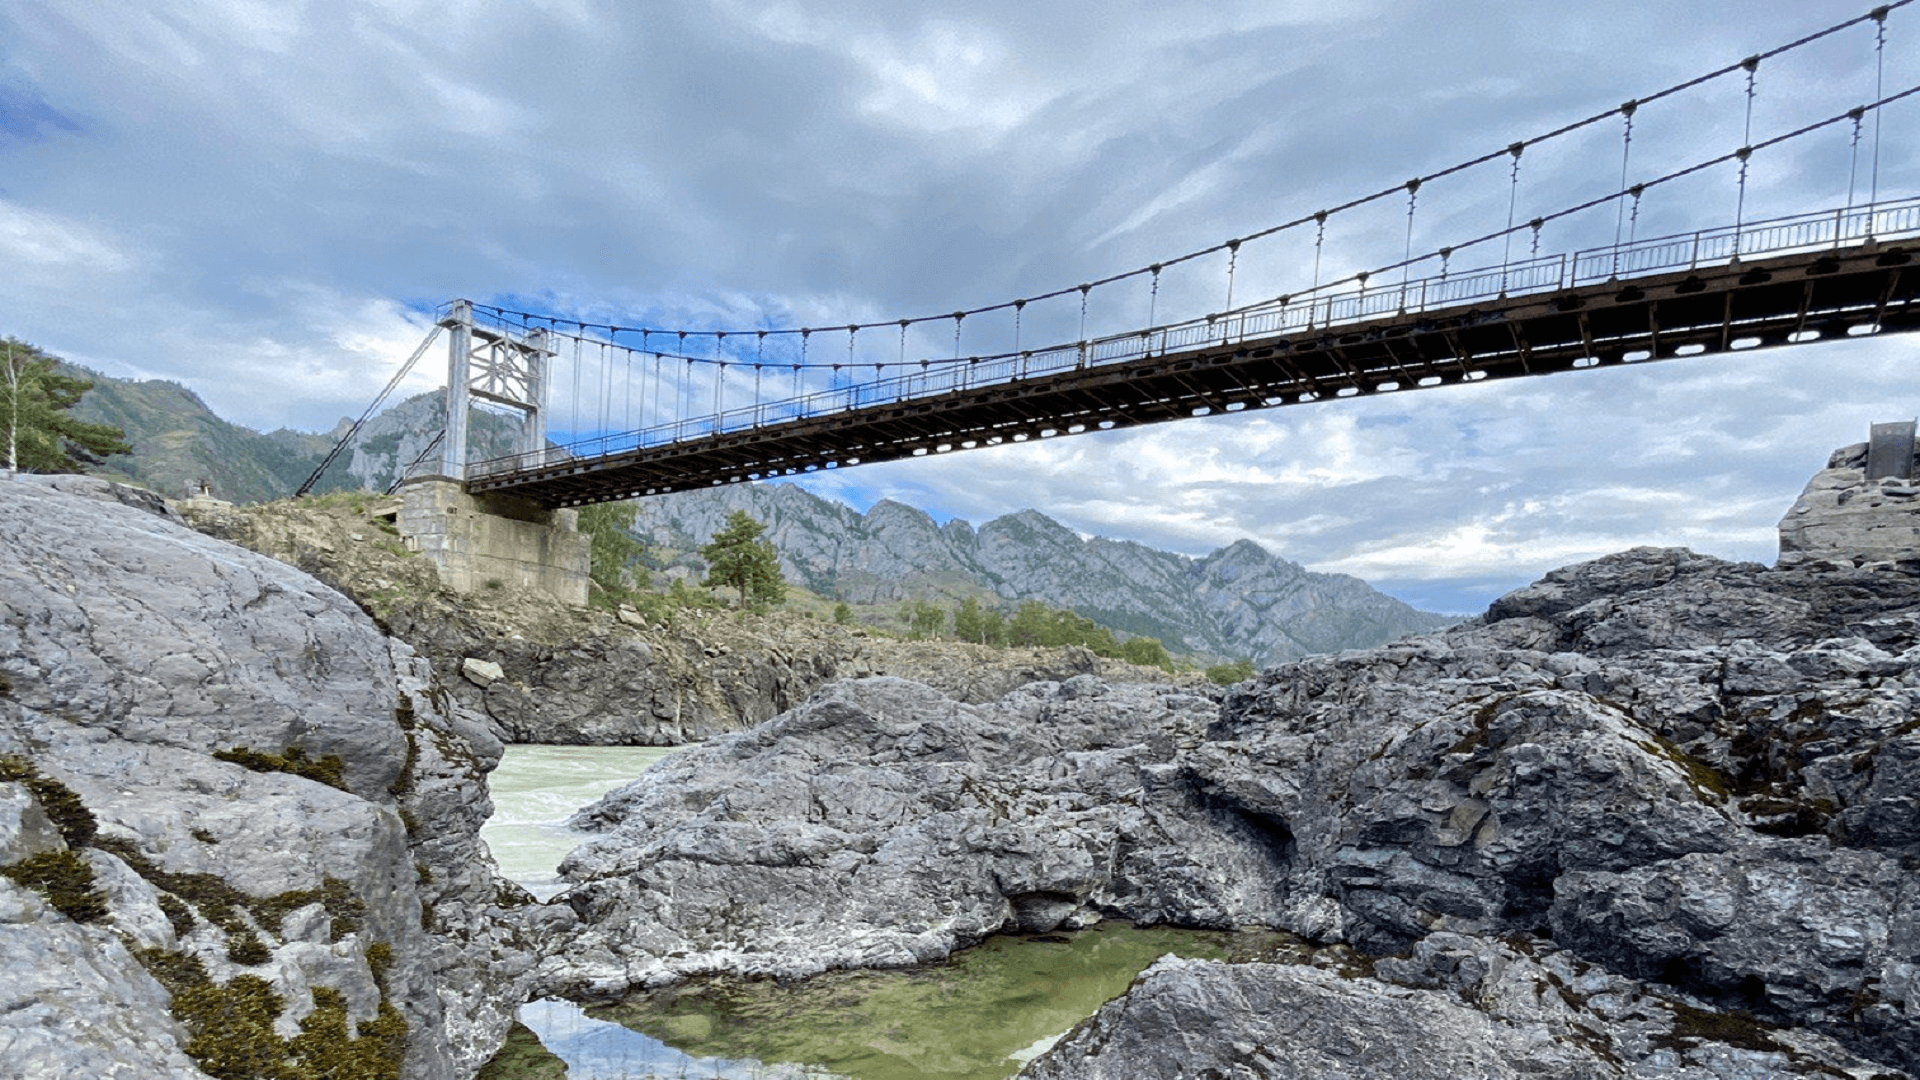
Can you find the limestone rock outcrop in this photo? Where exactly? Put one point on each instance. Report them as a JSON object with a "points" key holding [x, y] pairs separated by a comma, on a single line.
{"points": [[1844, 514], [1690, 780], [1455, 1007], [240, 820], [882, 825]]}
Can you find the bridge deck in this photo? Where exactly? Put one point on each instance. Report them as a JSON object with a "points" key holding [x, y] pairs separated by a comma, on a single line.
{"points": [[1757, 303]]}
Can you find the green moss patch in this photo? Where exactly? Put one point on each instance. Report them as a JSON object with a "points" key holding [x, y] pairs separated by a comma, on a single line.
{"points": [[379, 961], [329, 770], [402, 785], [218, 902], [231, 1035], [65, 879], [1692, 1026], [223, 905], [178, 914], [61, 805], [325, 1047], [247, 948], [347, 910], [1709, 783]]}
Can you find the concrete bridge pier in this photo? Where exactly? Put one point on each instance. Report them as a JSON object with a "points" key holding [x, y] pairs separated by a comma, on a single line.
{"points": [[483, 542]]}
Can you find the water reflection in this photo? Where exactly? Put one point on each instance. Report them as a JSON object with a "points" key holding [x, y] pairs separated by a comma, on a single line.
{"points": [[979, 1016], [598, 1050]]}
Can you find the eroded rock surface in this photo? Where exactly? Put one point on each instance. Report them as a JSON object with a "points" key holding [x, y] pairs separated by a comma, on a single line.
{"points": [[1843, 514], [274, 804], [882, 825], [1456, 1007], [1693, 776]]}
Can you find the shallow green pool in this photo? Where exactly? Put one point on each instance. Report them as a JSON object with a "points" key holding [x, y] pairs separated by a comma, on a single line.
{"points": [[979, 1016]]}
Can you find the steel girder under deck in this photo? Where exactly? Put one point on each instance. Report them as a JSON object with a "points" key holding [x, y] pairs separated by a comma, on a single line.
{"points": [[1760, 303]]}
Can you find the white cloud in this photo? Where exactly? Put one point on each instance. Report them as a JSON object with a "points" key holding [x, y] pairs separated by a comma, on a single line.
{"points": [[48, 242]]}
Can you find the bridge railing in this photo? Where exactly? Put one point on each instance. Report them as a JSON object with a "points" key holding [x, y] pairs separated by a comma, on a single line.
{"points": [[1775, 236], [1833, 229]]}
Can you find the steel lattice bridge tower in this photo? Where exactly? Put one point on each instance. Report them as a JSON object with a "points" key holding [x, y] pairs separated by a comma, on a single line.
{"points": [[712, 406]]}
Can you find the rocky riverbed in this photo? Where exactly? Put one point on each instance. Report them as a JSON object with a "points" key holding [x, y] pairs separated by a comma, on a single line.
{"points": [[1652, 816]]}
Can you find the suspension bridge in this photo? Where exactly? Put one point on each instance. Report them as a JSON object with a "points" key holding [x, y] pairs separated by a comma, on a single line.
{"points": [[1784, 236]]}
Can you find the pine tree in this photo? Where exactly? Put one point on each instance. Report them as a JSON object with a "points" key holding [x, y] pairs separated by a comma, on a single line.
{"points": [[969, 623], [37, 434], [738, 559], [608, 526]]}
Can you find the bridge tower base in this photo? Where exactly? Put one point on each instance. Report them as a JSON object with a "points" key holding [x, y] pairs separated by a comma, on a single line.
{"points": [[482, 542]]}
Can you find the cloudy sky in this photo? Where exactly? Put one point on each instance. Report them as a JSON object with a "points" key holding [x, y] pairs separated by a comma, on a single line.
{"points": [[266, 201]]}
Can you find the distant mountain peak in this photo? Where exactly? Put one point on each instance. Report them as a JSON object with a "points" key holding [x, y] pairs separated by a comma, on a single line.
{"points": [[1241, 600]]}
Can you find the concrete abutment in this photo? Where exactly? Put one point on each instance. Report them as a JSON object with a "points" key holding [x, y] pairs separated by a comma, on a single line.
{"points": [[490, 541]]}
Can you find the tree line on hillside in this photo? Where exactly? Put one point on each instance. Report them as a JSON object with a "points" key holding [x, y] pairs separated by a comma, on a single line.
{"points": [[1032, 623], [738, 559]]}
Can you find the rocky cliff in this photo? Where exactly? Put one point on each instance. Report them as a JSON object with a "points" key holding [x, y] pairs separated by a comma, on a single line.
{"points": [[238, 823], [1652, 816], [1239, 601]]}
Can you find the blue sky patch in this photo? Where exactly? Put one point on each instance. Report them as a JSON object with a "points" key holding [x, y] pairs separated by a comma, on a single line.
{"points": [[25, 116]]}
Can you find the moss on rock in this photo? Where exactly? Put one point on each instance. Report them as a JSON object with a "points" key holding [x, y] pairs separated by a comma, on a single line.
{"points": [[62, 807], [329, 770], [231, 1036], [65, 879]]}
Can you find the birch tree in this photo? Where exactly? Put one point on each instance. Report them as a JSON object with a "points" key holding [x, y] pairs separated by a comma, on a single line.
{"points": [[41, 434]]}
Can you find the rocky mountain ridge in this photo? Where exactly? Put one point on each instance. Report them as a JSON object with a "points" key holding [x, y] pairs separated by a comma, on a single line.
{"points": [[1239, 601], [179, 443]]}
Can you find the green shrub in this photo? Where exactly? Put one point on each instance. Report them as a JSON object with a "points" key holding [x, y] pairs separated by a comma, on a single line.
{"points": [[1146, 652], [1233, 671]]}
